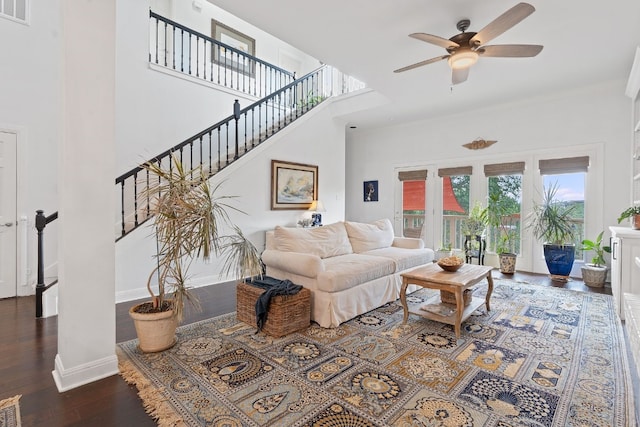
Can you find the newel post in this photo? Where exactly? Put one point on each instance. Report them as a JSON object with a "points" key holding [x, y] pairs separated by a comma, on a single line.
{"points": [[41, 223]]}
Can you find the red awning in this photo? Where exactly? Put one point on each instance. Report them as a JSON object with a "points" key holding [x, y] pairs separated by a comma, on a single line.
{"points": [[413, 193], [449, 201]]}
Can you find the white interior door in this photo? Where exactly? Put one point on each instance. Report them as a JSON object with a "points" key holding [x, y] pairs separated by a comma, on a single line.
{"points": [[8, 216]]}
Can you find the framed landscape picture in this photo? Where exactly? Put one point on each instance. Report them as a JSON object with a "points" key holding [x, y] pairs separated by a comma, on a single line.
{"points": [[230, 58], [293, 185]]}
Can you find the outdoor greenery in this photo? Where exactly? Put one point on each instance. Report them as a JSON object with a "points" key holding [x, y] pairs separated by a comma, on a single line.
{"points": [[503, 213], [461, 186]]}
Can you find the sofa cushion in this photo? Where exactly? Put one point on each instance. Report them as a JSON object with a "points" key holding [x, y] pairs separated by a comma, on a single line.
{"points": [[366, 237], [404, 258], [347, 271], [327, 241]]}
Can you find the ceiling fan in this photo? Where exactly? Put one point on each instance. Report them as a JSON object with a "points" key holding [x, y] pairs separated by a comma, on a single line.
{"points": [[465, 48]]}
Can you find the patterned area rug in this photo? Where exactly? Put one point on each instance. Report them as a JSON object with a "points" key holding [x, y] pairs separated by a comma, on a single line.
{"points": [[10, 412], [541, 357]]}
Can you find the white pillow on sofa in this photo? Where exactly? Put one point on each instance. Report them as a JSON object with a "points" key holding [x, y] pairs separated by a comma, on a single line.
{"points": [[367, 237], [327, 241]]}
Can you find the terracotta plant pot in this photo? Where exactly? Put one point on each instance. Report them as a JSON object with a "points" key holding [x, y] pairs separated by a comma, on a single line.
{"points": [[635, 222], [156, 331]]}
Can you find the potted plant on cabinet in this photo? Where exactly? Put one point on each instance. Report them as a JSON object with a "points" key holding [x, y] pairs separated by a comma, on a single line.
{"points": [[551, 221], [500, 216], [188, 220], [595, 274], [632, 212]]}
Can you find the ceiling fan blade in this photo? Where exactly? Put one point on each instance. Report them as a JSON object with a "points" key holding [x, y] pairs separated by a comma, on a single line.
{"points": [[511, 50], [459, 75], [420, 64], [438, 41], [502, 23]]}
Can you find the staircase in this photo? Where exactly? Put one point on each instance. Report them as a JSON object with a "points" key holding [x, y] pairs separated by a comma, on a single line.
{"points": [[218, 146]]}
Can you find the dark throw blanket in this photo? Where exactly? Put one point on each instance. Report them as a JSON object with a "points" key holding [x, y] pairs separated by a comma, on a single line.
{"points": [[272, 288]]}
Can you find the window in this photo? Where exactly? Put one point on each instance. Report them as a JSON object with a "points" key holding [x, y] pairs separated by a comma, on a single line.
{"points": [[569, 175], [413, 202], [504, 182], [456, 185], [16, 10]]}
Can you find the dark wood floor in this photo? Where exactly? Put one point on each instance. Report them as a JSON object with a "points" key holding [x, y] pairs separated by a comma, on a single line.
{"points": [[29, 346]]}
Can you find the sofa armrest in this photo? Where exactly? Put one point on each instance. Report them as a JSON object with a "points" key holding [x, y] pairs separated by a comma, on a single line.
{"points": [[408, 243], [306, 265]]}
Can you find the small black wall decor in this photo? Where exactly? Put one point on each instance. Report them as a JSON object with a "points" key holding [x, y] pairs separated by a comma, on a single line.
{"points": [[371, 191]]}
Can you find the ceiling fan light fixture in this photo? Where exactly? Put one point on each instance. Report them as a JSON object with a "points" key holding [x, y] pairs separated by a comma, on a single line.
{"points": [[464, 59]]}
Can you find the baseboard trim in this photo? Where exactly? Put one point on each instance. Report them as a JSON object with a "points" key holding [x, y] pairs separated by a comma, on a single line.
{"points": [[67, 379], [140, 293]]}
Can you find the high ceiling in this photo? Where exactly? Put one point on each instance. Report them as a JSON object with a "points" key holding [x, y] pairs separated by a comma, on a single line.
{"points": [[585, 42]]}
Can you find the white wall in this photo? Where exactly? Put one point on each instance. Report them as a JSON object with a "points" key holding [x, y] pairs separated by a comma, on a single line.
{"points": [[30, 104], [596, 115]]}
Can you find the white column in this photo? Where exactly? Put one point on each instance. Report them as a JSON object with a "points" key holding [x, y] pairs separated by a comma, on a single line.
{"points": [[86, 173]]}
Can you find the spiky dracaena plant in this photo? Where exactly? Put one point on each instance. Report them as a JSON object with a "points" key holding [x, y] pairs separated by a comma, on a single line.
{"points": [[551, 219], [187, 223]]}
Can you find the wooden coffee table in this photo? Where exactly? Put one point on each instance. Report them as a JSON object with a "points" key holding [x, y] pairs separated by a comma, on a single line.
{"points": [[431, 276]]}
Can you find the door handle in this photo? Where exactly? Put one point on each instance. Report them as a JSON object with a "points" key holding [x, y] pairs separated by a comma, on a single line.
{"points": [[7, 224]]}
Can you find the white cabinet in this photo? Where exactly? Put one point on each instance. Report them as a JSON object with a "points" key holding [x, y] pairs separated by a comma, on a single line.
{"points": [[625, 265]]}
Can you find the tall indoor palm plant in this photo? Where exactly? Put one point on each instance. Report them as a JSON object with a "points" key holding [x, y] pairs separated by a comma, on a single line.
{"points": [[551, 221], [188, 218]]}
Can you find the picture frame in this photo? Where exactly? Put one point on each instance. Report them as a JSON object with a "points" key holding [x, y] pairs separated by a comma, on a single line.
{"points": [[370, 191], [229, 58], [293, 185]]}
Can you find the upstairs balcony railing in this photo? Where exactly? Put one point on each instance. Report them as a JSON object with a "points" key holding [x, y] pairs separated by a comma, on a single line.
{"points": [[184, 50]]}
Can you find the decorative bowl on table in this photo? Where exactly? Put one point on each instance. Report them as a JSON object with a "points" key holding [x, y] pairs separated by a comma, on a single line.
{"points": [[451, 263]]}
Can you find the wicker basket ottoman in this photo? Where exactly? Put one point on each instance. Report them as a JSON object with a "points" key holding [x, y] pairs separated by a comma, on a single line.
{"points": [[287, 313], [450, 298]]}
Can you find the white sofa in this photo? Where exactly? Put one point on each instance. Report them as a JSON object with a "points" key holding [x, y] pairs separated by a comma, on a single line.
{"points": [[349, 267]]}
